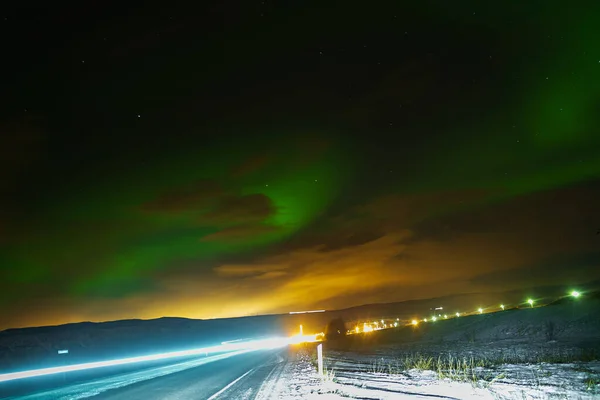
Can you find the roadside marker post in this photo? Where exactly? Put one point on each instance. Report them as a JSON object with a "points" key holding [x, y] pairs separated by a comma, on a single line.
{"points": [[320, 358], [63, 352]]}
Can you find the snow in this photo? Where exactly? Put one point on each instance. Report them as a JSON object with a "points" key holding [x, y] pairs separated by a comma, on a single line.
{"points": [[352, 376], [510, 355], [359, 378]]}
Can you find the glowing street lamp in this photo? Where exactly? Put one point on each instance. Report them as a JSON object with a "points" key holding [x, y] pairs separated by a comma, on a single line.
{"points": [[415, 322], [445, 316], [575, 294], [502, 306], [458, 314], [434, 319], [480, 310], [530, 301], [424, 319]]}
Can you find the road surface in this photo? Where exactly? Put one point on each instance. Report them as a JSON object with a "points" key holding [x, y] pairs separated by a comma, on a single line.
{"points": [[241, 375]]}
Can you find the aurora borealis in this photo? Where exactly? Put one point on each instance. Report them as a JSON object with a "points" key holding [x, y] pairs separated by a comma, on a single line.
{"points": [[239, 159]]}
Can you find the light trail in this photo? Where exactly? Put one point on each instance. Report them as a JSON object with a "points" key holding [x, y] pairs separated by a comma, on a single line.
{"points": [[261, 344], [85, 390], [306, 312]]}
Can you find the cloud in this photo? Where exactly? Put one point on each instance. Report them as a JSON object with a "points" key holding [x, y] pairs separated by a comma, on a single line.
{"points": [[197, 196], [238, 210], [568, 269], [236, 271], [240, 233], [381, 251], [237, 218], [304, 277], [440, 249], [250, 166]]}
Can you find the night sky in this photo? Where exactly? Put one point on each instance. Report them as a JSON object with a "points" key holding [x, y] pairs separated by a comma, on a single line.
{"points": [[245, 157]]}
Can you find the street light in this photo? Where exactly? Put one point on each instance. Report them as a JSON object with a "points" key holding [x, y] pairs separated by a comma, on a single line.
{"points": [[502, 306], [415, 322], [458, 314], [575, 294], [480, 310], [530, 301]]}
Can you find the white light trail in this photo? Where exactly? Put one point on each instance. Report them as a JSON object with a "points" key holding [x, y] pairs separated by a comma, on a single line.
{"points": [[306, 312], [261, 344]]}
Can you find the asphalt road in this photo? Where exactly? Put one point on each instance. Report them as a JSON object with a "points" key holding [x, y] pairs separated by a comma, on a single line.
{"points": [[225, 376]]}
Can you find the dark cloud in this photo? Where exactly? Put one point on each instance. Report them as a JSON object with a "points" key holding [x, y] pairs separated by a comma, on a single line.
{"points": [[194, 197], [566, 269], [239, 210], [251, 165], [214, 206], [349, 239], [239, 233]]}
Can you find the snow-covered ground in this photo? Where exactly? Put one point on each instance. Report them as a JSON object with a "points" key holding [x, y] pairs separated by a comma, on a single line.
{"points": [[376, 377], [546, 353]]}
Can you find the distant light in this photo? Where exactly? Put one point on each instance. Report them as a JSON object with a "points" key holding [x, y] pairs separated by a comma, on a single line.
{"points": [[415, 322], [502, 306], [434, 319], [397, 319], [424, 319], [63, 351], [458, 314], [395, 324], [382, 321], [575, 294], [445, 316], [306, 312], [480, 310], [530, 301]]}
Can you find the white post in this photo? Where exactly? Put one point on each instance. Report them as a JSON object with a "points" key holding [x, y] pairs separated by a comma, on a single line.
{"points": [[320, 358]]}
